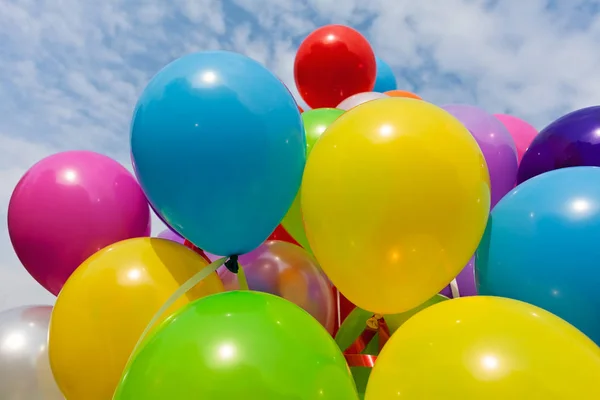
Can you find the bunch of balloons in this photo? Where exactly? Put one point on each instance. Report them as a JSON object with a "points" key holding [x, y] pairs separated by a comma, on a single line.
{"points": [[376, 217]]}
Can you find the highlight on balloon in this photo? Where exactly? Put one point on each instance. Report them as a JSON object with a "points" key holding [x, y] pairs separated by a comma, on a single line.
{"points": [[359, 241]]}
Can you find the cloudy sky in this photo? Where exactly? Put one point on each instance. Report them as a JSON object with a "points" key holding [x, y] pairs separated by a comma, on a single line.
{"points": [[71, 70]]}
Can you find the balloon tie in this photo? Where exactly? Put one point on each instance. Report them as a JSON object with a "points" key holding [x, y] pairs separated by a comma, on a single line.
{"points": [[232, 264], [374, 326]]}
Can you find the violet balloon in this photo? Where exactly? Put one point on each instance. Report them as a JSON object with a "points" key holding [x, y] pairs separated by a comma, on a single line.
{"points": [[288, 271], [465, 282], [67, 207], [170, 235], [570, 141], [497, 146]]}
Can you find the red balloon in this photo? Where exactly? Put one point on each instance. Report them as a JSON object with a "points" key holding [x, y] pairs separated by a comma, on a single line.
{"points": [[333, 63], [281, 234]]}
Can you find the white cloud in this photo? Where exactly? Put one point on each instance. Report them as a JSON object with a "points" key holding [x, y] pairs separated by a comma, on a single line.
{"points": [[72, 70]]}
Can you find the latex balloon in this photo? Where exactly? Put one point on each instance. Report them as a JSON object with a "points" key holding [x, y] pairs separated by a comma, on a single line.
{"points": [[281, 234], [245, 344], [403, 93], [486, 348], [288, 271], [170, 235], [496, 143], [219, 122], [67, 207], [540, 246], [570, 141], [107, 304], [385, 79], [24, 368], [521, 132], [395, 199], [359, 99], [315, 123], [464, 283], [333, 63]]}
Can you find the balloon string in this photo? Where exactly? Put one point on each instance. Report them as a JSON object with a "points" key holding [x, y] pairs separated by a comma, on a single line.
{"points": [[183, 289], [241, 276], [339, 306], [454, 289]]}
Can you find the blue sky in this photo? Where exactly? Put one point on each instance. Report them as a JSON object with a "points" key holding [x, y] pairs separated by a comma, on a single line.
{"points": [[71, 70]]}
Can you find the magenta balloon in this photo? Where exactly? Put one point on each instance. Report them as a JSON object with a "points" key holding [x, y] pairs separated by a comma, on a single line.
{"points": [[288, 271], [170, 235], [67, 207], [497, 146]]}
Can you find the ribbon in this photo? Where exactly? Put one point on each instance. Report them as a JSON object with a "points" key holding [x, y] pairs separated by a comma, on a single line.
{"points": [[374, 326]]}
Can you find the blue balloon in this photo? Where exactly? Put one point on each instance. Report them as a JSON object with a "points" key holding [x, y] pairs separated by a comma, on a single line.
{"points": [[219, 148], [385, 79], [541, 247]]}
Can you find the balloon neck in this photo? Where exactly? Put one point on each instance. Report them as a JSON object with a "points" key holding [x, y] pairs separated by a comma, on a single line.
{"points": [[232, 264]]}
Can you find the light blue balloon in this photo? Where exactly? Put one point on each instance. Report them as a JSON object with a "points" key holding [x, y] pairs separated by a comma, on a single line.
{"points": [[541, 246], [218, 146], [385, 79]]}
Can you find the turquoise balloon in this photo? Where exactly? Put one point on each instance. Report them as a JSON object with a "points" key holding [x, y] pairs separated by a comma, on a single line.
{"points": [[218, 146], [385, 79], [541, 246]]}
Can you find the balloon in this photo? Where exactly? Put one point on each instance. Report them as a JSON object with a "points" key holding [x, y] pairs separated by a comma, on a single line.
{"points": [[497, 146], [106, 305], [67, 207], [570, 141], [288, 271], [395, 199], [521, 132], [24, 368], [281, 234], [486, 348], [333, 63], [315, 123], [385, 79], [219, 149], [243, 344], [359, 99], [402, 93], [465, 282], [540, 246], [170, 235]]}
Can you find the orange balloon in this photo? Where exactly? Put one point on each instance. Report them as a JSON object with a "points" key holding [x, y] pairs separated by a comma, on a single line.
{"points": [[402, 93]]}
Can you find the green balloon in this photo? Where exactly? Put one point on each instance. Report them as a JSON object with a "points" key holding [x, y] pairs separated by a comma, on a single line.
{"points": [[238, 345], [315, 123]]}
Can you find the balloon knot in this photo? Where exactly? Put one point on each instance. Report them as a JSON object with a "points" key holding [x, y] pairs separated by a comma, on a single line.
{"points": [[232, 264], [374, 321]]}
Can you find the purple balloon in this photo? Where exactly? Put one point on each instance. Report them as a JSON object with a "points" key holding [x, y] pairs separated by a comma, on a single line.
{"points": [[67, 207], [571, 141], [465, 282], [170, 235], [496, 143]]}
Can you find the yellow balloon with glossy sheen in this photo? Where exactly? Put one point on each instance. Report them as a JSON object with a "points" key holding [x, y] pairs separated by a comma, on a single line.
{"points": [[395, 199], [107, 303], [480, 347]]}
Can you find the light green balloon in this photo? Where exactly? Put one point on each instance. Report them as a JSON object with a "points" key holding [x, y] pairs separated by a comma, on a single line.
{"points": [[315, 123], [239, 345]]}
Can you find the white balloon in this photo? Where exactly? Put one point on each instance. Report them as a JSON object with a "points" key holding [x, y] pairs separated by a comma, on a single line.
{"points": [[24, 364], [359, 99]]}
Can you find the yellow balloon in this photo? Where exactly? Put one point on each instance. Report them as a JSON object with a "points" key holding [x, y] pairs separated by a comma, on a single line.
{"points": [[395, 199], [486, 348], [107, 303]]}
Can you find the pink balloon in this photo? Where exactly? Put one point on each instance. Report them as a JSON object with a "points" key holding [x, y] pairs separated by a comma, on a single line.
{"points": [[522, 132], [67, 207]]}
